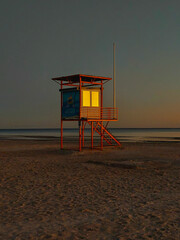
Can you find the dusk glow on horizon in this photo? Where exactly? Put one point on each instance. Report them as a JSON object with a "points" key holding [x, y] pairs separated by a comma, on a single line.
{"points": [[45, 39]]}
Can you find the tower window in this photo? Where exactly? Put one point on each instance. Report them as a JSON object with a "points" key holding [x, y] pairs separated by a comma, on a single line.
{"points": [[95, 99], [86, 98]]}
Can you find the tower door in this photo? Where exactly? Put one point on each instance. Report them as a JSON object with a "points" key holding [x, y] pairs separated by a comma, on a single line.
{"points": [[90, 105]]}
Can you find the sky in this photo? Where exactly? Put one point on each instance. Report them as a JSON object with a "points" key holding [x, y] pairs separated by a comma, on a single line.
{"points": [[41, 39]]}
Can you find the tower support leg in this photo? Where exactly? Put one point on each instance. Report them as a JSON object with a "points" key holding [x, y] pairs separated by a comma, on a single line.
{"points": [[79, 135], [101, 135], [92, 135], [61, 134], [61, 119], [82, 133]]}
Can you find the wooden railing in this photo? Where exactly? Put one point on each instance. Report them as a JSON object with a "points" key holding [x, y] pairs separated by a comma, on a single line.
{"points": [[99, 113]]}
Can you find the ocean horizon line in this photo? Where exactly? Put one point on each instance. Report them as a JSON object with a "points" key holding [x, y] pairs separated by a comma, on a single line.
{"points": [[69, 128]]}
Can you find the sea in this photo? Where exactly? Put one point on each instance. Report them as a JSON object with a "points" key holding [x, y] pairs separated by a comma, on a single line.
{"points": [[122, 134]]}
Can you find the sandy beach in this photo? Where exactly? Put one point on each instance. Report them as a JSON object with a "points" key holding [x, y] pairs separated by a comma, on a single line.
{"points": [[128, 193]]}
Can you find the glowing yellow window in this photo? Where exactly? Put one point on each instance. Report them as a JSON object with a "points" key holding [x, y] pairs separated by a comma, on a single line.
{"points": [[86, 98], [95, 99]]}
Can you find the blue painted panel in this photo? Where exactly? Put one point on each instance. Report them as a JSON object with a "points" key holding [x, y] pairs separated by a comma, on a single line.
{"points": [[70, 108]]}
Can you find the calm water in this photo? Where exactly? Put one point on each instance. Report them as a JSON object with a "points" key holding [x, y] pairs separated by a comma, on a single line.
{"points": [[123, 134]]}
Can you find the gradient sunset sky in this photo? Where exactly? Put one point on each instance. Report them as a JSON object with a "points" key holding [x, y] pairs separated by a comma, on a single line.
{"points": [[41, 39]]}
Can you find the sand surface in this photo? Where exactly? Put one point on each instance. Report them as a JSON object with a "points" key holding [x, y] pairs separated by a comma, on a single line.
{"points": [[129, 193]]}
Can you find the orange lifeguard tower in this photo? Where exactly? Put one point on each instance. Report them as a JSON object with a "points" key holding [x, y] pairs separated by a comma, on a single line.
{"points": [[82, 101]]}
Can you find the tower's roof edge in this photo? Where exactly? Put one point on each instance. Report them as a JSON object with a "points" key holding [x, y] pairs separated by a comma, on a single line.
{"points": [[76, 78]]}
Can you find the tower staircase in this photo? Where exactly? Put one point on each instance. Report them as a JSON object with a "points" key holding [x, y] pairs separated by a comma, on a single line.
{"points": [[104, 133]]}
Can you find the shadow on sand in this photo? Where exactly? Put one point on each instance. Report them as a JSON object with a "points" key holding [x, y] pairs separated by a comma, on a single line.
{"points": [[115, 165]]}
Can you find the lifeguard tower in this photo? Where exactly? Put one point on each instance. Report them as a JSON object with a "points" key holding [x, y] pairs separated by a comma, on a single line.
{"points": [[82, 101]]}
